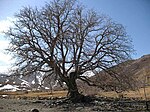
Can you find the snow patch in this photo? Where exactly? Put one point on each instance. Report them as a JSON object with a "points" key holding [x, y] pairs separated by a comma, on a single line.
{"points": [[4, 96], [33, 82], [24, 82], [9, 87], [40, 78], [47, 88], [7, 80], [88, 74]]}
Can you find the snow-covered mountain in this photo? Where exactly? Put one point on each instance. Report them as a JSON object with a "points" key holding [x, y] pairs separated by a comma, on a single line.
{"points": [[19, 83], [139, 69], [12, 83]]}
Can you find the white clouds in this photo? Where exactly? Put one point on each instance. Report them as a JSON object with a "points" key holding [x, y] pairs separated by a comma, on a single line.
{"points": [[5, 24], [3, 44], [5, 68], [5, 59]]}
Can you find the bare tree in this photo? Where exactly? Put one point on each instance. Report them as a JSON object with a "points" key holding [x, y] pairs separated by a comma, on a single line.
{"points": [[64, 36]]}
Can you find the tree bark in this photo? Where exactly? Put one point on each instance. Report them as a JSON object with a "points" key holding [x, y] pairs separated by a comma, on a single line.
{"points": [[73, 92]]}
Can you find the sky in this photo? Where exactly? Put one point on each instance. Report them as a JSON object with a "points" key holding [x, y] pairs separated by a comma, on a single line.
{"points": [[134, 15]]}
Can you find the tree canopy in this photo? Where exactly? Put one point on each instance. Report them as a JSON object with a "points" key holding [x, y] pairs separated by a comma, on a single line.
{"points": [[63, 36]]}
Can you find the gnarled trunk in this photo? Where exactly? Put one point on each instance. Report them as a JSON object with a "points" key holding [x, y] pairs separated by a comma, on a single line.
{"points": [[73, 92]]}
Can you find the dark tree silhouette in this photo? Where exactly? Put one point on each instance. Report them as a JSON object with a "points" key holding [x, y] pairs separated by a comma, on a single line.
{"points": [[64, 36]]}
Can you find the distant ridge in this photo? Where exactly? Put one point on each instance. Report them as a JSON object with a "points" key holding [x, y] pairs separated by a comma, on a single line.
{"points": [[139, 69]]}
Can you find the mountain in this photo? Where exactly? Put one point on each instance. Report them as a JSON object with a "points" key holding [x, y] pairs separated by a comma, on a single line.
{"points": [[138, 69], [12, 83], [19, 83], [133, 74]]}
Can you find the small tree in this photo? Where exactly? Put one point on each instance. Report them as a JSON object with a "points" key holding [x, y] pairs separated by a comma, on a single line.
{"points": [[63, 36]]}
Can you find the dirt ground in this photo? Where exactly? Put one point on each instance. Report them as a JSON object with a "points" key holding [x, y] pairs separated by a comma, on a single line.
{"points": [[15, 105], [20, 105], [57, 105]]}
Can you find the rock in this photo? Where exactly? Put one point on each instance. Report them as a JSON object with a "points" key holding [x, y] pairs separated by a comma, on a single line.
{"points": [[37, 101], [1, 107], [96, 109], [79, 108], [66, 106], [34, 110]]}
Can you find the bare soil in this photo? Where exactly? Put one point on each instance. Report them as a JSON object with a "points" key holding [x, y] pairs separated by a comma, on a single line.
{"points": [[18, 105], [63, 105]]}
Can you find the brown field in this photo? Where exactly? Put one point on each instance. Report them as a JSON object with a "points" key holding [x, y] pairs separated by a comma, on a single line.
{"points": [[35, 94], [26, 101], [139, 94]]}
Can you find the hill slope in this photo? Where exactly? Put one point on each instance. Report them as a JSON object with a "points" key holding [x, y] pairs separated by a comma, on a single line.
{"points": [[132, 74], [140, 69]]}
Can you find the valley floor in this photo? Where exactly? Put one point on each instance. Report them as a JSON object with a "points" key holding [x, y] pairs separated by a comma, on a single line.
{"points": [[133, 101], [15, 105], [60, 105]]}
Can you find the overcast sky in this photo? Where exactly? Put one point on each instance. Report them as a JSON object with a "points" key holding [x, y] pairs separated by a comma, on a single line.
{"points": [[133, 14]]}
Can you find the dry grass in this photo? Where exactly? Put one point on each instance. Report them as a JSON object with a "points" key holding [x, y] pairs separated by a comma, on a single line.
{"points": [[35, 94], [130, 94], [46, 94]]}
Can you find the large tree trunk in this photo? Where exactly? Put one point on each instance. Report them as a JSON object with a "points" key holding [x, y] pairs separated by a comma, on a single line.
{"points": [[73, 92]]}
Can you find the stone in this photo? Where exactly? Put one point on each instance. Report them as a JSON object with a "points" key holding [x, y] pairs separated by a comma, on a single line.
{"points": [[34, 110], [79, 108], [1, 107]]}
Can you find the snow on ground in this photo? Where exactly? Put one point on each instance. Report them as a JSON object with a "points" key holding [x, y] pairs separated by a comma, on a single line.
{"points": [[24, 82], [33, 82], [88, 74], [40, 78], [4, 96], [9, 87], [47, 88], [7, 80]]}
